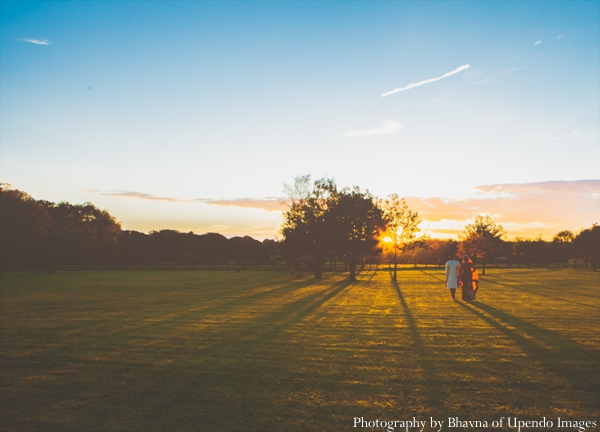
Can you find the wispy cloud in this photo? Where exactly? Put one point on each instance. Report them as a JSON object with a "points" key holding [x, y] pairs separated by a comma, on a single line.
{"points": [[498, 73], [388, 127], [560, 36], [427, 81], [136, 195], [270, 204], [537, 42], [36, 41]]}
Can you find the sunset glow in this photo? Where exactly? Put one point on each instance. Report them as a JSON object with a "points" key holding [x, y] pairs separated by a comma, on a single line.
{"points": [[194, 115]]}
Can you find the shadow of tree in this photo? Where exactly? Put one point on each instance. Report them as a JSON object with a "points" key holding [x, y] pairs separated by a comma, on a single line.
{"points": [[518, 285], [269, 327], [434, 389], [439, 279], [567, 359]]}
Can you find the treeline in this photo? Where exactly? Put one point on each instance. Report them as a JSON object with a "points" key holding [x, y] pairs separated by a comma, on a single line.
{"points": [[564, 246], [324, 228], [43, 233]]}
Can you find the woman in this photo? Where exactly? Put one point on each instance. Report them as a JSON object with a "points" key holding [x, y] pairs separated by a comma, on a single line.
{"points": [[465, 274]]}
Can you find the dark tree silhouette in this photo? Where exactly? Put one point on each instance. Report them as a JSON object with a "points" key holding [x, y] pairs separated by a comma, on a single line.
{"points": [[308, 225], [212, 248], [24, 228], [531, 250], [357, 220], [481, 239], [587, 242], [561, 248], [134, 248], [82, 233]]}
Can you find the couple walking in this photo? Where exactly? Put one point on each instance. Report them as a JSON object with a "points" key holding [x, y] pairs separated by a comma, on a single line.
{"points": [[463, 274]]}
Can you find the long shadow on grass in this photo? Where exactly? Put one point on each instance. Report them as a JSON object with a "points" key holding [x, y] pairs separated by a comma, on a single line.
{"points": [[518, 285], [267, 328], [432, 383], [434, 277], [121, 336], [567, 359]]}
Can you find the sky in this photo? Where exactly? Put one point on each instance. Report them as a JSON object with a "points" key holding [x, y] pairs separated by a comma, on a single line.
{"points": [[193, 115]]}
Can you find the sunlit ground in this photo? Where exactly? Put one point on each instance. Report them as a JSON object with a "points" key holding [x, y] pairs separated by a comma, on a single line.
{"points": [[260, 351]]}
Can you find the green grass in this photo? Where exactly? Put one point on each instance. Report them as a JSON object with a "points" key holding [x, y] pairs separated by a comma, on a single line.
{"points": [[261, 351]]}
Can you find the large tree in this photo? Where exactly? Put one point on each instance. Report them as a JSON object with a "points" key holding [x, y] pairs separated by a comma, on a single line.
{"points": [[402, 226], [357, 221], [482, 239], [307, 227]]}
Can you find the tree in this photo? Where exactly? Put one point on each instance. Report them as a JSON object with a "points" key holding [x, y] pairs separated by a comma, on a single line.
{"points": [[24, 227], [212, 247], [482, 239], [531, 250], [308, 225], [561, 248], [357, 220], [402, 226], [587, 242], [82, 232], [134, 248]]}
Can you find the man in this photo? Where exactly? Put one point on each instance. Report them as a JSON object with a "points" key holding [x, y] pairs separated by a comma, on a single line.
{"points": [[452, 277]]}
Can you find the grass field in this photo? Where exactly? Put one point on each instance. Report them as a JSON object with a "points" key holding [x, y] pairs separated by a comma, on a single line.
{"points": [[260, 351]]}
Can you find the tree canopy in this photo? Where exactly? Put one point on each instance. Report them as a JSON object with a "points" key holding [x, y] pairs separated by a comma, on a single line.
{"points": [[402, 226], [587, 242], [482, 239], [319, 219]]}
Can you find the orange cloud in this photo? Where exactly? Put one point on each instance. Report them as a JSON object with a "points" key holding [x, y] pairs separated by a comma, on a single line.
{"points": [[527, 208], [140, 195], [269, 204]]}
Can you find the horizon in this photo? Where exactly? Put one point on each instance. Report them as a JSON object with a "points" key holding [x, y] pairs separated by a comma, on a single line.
{"points": [[193, 115]]}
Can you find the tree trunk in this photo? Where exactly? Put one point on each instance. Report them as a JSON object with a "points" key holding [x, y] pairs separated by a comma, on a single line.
{"points": [[482, 267], [318, 272], [352, 265], [318, 262]]}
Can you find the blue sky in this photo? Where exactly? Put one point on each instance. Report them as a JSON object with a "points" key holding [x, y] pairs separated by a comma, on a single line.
{"points": [[191, 115]]}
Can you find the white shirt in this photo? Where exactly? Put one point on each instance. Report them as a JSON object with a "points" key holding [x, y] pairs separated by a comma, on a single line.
{"points": [[452, 274]]}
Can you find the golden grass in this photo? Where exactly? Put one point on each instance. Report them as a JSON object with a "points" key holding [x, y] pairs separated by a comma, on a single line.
{"points": [[259, 351]]}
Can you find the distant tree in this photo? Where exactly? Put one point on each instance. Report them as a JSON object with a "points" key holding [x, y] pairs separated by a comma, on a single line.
{"points": [[134, 248], [245, 250], [531, 250], [189, 259], [166, 245], [587, 242], [212, 248], [272, 250], [448, 250], [83, 233], [24, 228], [482, 239], [357, 221], [561, 248], [402, 226], [564, 237], [437, 251]]}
